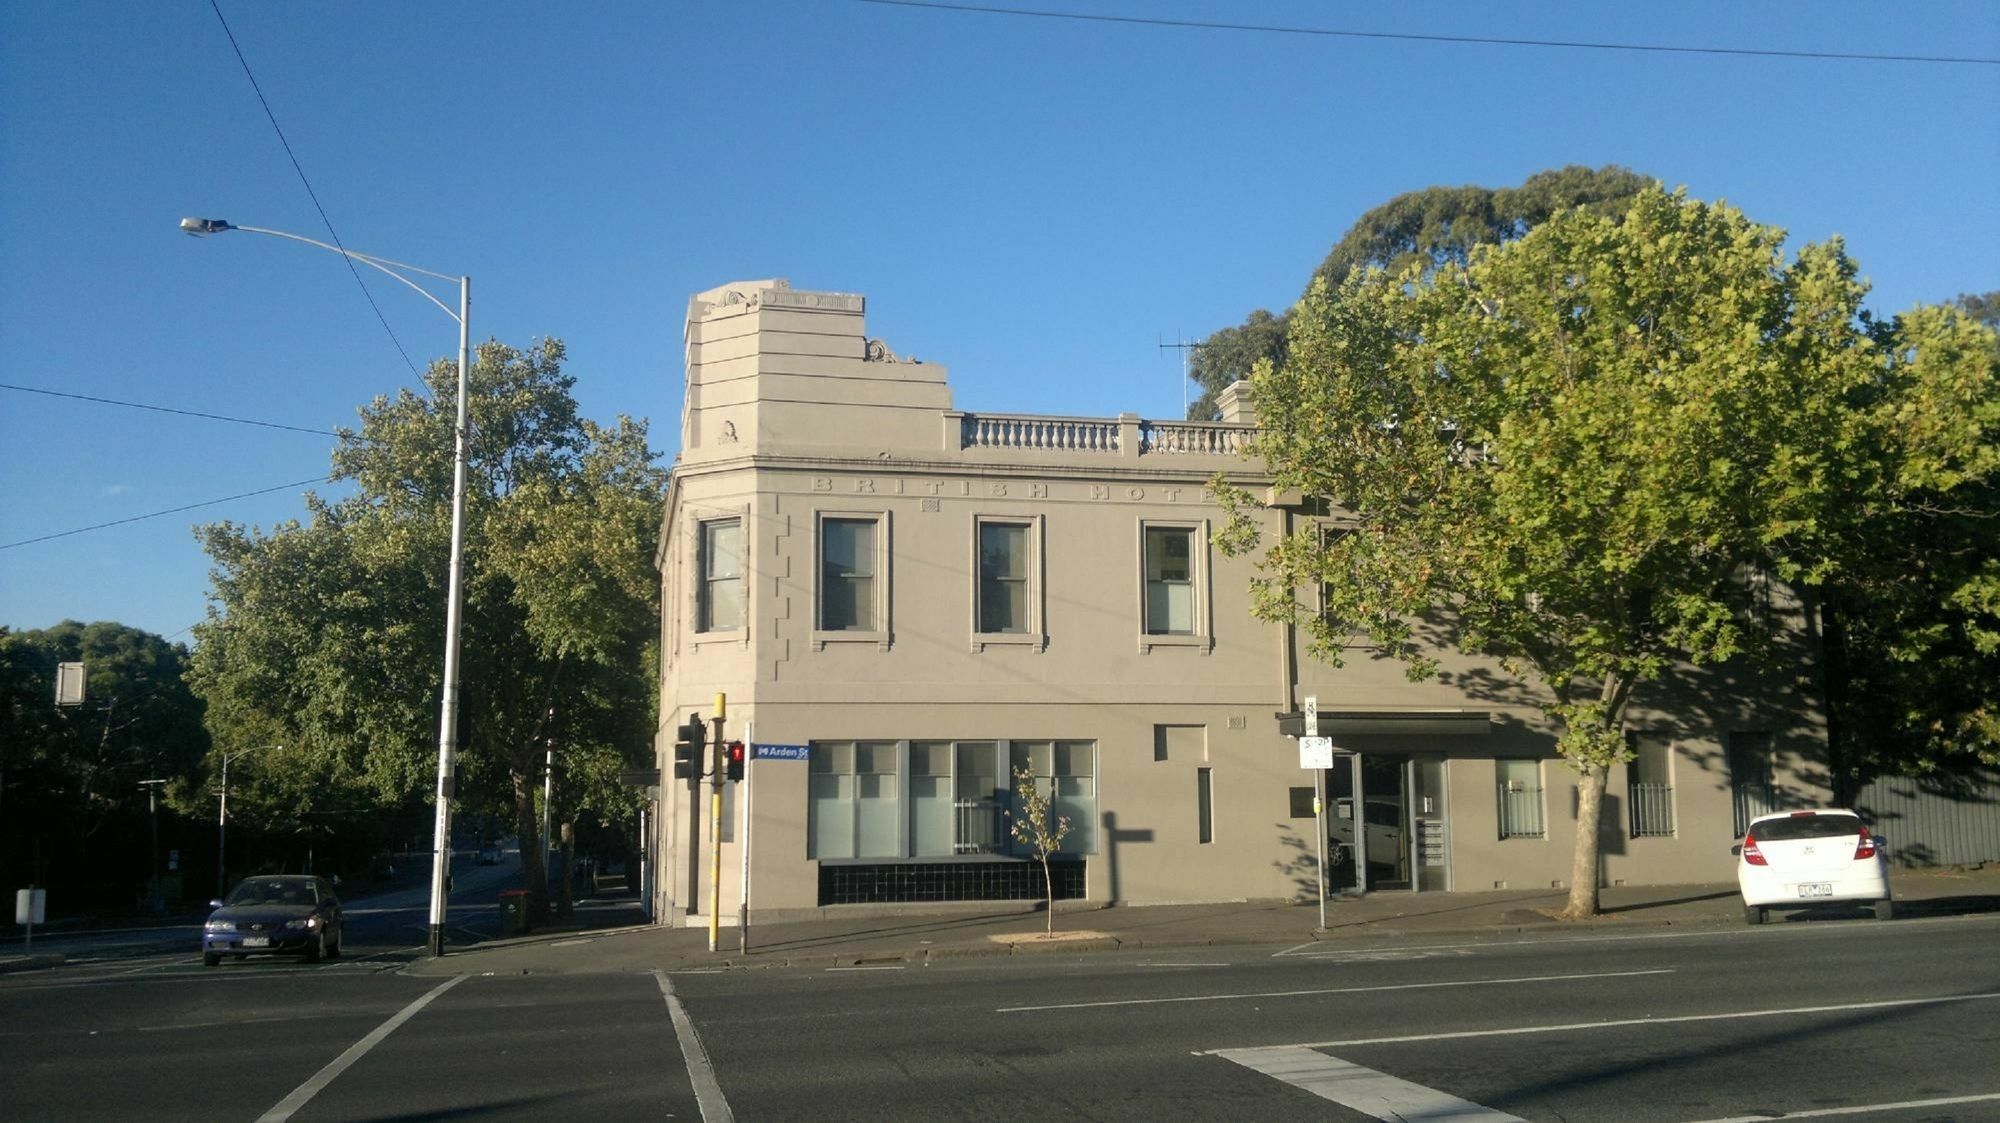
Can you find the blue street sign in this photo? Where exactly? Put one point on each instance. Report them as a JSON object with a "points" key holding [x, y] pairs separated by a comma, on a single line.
{"points": [[781, 752]]}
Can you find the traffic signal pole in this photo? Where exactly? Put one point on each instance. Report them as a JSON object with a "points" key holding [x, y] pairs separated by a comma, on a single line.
{"points": [[743, 843], [720, 762]]}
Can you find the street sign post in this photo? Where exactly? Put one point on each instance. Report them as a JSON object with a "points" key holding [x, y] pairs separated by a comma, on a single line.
{"points": [[1314, 748], [31, 907]]}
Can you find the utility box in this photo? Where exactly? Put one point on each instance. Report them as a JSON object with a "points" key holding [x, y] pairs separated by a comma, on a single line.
{"points": [[513, 912]]}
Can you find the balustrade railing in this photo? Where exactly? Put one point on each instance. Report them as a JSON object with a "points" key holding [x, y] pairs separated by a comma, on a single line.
{"points": [[1076, 434], [1100, 435], [1198, 438]]}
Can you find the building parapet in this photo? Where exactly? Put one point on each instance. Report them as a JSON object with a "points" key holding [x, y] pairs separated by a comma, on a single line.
{"points": [[1127, 436]]}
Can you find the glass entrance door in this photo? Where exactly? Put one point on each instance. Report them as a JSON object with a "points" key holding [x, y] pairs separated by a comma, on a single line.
{"points": [[1383, 818]]}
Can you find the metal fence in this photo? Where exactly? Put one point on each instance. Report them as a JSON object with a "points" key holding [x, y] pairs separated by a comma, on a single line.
{"points": [[1521, 812], [1652, 810], [1935, 820]]}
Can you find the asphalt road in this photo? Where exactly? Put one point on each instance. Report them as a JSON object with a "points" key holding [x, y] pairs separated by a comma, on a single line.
{"points": [[380, 924], [1900, 1021]]}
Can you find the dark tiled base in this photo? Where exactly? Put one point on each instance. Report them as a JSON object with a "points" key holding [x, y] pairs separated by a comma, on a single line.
{"points": [[947, 881]]}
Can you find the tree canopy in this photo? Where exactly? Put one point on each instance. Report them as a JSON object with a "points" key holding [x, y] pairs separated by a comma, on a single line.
{"points": [[66, 775], [1432, 227], [1913, 618], [1572, 449], [328, 636]]}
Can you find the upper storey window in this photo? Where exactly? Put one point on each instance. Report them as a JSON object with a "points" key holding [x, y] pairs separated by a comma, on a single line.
{"points": [[848, 589], [1170, 580], [1004, 567], [719, 593]]}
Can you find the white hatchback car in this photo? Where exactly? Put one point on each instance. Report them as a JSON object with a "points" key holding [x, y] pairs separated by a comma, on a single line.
{"points": [[1823, 856]]}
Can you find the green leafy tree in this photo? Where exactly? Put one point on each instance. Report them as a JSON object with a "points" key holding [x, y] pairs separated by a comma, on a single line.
{"points": [[1431, 228], [1232, 353], [1033, 823], [68, 774], [1912, 621], [1565, 453], [328, 636], [1984, 307]]}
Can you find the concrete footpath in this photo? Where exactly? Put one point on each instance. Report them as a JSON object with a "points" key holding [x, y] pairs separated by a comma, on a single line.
{"points": [[1004, 929]]}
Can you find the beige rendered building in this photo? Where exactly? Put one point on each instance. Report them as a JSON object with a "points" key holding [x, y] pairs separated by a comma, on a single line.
{"points": [[907, 603]]}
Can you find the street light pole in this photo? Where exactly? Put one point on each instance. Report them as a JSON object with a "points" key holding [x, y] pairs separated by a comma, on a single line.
{"points": [[448, 717], [222, 818], [153, 815]]}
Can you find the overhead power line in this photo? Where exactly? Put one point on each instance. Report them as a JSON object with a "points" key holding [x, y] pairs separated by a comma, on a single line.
{"points": [[180, 412], [314, 195], [168, 511], [1482, 40]]}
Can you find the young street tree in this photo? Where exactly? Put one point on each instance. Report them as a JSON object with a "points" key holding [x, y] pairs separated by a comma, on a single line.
{"points": [[1567, 451], [1034, 824], [329, 636], [1431, 228]]}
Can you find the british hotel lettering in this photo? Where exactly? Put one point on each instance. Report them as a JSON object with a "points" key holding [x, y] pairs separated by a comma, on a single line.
{"points": [[1012, 489]]}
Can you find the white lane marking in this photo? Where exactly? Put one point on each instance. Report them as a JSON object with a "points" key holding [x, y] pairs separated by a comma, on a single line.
{"points": [[1901, 1105], [1831, 929], [1181, 965], [304, 1093], [573, 943], [872, 967], [707, 1093], [1336, 990], [1375, 1094], [1387, 955], [1569, 1027]]}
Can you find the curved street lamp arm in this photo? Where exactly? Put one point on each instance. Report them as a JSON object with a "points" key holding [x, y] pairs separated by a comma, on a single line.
{"points": [[381, 264]]}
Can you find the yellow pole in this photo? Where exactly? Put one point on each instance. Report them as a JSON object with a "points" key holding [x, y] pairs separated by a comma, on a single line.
{"points": [[715, 828]]}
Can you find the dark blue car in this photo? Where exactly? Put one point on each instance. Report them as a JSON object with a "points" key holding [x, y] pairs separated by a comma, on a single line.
{"points": [[274, 914]]}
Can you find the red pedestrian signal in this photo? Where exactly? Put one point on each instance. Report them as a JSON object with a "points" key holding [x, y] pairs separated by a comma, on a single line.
{"points": [[735, 758]]}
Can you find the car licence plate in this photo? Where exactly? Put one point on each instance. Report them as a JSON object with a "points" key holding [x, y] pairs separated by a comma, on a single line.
{"points": [[1816, 889], [256, 941]]}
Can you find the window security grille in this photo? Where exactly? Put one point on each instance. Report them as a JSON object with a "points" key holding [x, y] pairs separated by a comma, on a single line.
{"points": [[1520, 810], [1652, 810]]}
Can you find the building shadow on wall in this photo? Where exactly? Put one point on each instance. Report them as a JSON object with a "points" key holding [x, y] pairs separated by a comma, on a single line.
{"points": [[1109, 841]]}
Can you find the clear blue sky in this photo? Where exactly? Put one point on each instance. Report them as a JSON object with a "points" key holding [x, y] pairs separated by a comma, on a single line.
{"points": [[1035, 203]]}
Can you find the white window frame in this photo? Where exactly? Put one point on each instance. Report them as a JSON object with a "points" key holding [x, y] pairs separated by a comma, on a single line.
{"points": [[691, 563], [1034, 633], [704, 583], [1202, 637], [880, 634]]}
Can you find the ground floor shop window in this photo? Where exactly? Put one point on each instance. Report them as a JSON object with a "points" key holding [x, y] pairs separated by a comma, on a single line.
{"points": [[1651, 786], [1751, 792], [1520, 784], [854, 800], [922, 799]]}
